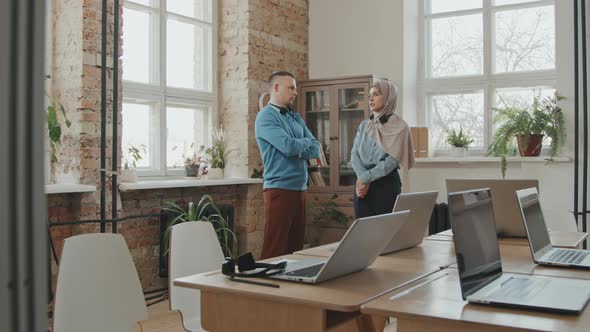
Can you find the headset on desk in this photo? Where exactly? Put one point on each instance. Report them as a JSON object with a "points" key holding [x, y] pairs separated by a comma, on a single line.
{"points": [[246, 263]]}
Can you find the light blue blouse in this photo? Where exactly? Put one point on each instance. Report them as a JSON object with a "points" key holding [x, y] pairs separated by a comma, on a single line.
{"points": [[368, 159]]}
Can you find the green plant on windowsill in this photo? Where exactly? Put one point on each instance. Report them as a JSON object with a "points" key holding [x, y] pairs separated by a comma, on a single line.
{"points": [[458, 139], [200, 212], [54, 127], [528, 126], [134, 154], [220, 149]]}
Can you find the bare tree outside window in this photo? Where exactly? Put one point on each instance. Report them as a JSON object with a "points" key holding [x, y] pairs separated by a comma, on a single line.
{"points": [[457, 46], [525, 39], [457, 111]]}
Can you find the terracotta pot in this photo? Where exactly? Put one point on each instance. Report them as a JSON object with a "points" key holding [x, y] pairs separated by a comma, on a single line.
{"points": [[530, 148]]}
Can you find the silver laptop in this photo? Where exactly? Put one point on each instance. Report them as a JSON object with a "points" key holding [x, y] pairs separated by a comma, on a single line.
{"points": [[420, 205], [480, 267], [354, 252], [539, 241], [506, 209]]}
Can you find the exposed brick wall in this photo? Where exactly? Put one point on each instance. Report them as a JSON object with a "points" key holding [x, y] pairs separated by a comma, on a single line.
{"points": [[250, 46]]}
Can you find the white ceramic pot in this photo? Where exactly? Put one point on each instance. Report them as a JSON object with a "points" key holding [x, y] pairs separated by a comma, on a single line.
{"points": [[457, 152], [128, 175], [214, 173]]}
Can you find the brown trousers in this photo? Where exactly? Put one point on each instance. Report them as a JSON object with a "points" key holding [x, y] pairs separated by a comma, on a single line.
{"points": [[284, 231]]}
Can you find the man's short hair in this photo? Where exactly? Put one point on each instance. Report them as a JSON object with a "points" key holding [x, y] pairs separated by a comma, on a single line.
{"points": [[276, 75]]}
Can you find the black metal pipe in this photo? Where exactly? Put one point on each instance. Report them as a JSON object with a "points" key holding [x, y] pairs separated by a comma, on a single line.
{"points": [[585, 122], [52, 245], [103, 115], [90, 221], [159, 290], [155, 296], [114, 146], [576, 114]]}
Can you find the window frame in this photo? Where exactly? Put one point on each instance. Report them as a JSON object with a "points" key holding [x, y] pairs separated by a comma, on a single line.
{"points": [[488, 81], [158, 91]]}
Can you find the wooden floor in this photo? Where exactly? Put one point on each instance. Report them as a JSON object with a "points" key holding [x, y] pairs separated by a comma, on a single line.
{"points": [[161, 319]]}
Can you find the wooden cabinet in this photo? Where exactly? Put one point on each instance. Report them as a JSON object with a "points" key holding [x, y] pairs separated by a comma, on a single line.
{"points": [[333, 110]]}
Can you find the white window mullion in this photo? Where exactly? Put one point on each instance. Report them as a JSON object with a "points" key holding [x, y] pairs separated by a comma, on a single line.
{"points": [[163, 80], [488, 67]]}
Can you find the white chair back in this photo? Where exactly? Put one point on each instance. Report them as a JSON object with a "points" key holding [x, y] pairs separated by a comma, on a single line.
{"points": [[97, 287], [194, 248]]}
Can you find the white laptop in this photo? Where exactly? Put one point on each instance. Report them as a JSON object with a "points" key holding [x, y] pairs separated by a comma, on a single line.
{"points": [[480, 268], [539, 241], [420, 205], [506, 210], [358, 249]]}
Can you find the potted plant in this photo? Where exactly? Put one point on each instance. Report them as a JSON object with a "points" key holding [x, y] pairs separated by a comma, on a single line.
{"points": [[128, 173], [204, 211], [219, 153], [459, 142], [193, 163], [528, 126]]}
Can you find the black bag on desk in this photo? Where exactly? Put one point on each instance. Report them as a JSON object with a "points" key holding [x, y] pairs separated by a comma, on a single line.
{"points": [[439, 221]]}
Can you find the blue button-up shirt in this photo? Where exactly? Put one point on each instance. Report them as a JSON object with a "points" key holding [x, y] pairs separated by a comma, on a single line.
{"points": [[368, 159]]}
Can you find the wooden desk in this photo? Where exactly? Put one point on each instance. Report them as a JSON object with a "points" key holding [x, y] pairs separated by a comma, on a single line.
{"points": [[438, 306], [333, 305], [441, 253], [558, 238]]}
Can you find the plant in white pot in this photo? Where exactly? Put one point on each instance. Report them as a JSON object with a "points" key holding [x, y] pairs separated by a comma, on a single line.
{"points": [[219, 153], [459, 142], [128, 173]]}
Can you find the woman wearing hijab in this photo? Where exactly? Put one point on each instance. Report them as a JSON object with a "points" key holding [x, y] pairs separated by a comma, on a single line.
{"points": [[382, 144]]}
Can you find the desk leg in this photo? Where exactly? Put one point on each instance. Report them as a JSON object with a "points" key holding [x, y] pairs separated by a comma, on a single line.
{"points": [[226, 312]]}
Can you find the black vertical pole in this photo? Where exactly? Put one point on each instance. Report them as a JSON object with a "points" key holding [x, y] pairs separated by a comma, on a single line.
{"points": [[576, 113], [114, 146], [585, 122], [103, 115]]}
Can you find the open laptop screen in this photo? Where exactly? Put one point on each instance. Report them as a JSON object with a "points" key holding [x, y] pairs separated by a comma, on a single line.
{"points": [[533, 217], [474, 234]]}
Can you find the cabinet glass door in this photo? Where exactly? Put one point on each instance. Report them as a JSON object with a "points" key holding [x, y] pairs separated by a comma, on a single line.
{"points": [[352, 107], [317, 117]]}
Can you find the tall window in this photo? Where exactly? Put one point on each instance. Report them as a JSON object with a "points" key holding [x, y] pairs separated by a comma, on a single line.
{"points": [[169, 92], [480, 54]]}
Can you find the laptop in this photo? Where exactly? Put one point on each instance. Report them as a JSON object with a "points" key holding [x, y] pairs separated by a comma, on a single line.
{"points": [[354, 252], [506, 209], [480, 268], [411, 234], [420, 205], [539, 242]]}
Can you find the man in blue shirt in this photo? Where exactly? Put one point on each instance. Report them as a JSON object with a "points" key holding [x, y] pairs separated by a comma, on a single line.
{"points": [[285, 145]]}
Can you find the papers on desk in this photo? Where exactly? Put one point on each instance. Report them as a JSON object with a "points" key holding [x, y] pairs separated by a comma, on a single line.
{"points": [[409, 290]]}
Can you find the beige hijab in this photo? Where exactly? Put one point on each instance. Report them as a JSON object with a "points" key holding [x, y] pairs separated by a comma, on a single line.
{"points": [[394, 135]]}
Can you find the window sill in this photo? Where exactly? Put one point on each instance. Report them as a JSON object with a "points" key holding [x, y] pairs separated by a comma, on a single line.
{"points": [[68, 188], [472, 160], [160, 183]]}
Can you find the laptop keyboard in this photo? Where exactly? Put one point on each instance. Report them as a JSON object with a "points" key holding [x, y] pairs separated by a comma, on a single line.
{"points": [[568, 256], [310, 271], [518, 289]]}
